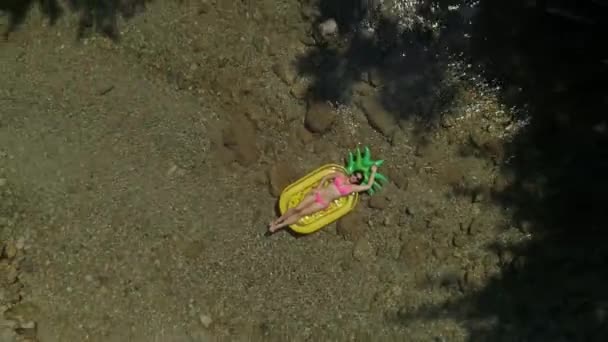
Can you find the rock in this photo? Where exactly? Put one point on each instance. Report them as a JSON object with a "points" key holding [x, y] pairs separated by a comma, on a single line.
{"points": [[378, 202], [328, 28], [388, 220], [10, 250], [363, 250], [20, 244], [413, 252], [351, 227], [284, 72], [319, 117], [474, 227], [280, 175], [206, 320], [378, 117], [399, 177], [299, 90], [304, 136], [439, 253], [28, 329], [403, 220], [3, 182], [241, 138], [459, 240], [204, 7], [11, 274]]}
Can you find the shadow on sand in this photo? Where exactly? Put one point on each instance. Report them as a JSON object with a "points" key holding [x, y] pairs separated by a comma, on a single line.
{"points": [[550, 59], [95, 15]]}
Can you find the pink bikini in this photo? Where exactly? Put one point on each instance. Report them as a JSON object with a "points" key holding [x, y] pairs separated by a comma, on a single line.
{"points": [[343, 189]]}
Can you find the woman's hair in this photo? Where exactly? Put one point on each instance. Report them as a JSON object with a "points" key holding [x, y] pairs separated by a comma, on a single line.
{"points": [[359, 177]]}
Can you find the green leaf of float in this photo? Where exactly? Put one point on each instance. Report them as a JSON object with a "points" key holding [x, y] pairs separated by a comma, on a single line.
{"points": [[379, 163], [366, 154], [350, 163]]}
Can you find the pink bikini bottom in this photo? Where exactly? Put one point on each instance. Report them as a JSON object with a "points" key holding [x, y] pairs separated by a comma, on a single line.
{"points": [[319, 199]]}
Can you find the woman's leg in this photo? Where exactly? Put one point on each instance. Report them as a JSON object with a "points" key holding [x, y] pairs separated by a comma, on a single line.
{"points": [[312, 208], [306, 201]]}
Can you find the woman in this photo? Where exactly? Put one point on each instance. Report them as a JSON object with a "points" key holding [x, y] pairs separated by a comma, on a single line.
{"points": [[320, 197]]}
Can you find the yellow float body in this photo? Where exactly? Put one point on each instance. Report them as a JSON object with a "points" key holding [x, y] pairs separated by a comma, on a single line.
{"points": [[294, 193]]}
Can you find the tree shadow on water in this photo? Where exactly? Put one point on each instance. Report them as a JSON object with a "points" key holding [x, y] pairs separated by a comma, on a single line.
{"points": [[95, 15], [404, 67], [550, 59]]}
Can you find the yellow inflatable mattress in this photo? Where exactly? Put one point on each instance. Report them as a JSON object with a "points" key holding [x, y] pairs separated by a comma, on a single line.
{"points": [[294, 193]]}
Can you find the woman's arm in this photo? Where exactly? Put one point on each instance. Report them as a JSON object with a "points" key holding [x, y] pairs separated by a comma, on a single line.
{"points": [[370, 182], [326, 178]]}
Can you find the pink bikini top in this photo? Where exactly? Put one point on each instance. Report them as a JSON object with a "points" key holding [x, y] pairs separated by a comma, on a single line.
{"points": [[343, 189]]}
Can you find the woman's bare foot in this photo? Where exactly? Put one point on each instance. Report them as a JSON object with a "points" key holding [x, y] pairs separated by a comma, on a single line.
{"points": [[273, 227]]}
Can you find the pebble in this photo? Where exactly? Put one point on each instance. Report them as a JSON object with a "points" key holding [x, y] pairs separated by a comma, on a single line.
{"points": [[206, 320], [388, 220], [363, 250], [11, 274], [403, 220], [20, 244], [299, 90], [3, 182], [284, 72], [459, 240], [10, 250], [328, 28], [474, 227]]}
